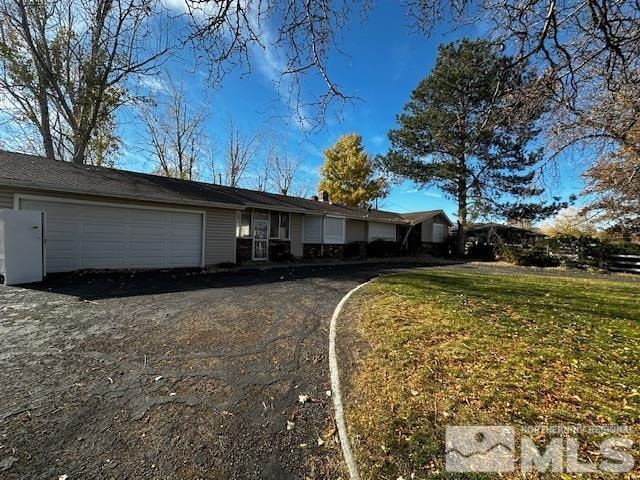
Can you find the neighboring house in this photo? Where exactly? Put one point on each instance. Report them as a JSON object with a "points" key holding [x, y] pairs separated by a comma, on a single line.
{"points": [[99, 217], [425, 229], [493, 233]]}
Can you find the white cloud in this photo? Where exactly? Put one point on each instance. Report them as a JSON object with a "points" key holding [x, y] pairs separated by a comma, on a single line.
{"points": [[155, 84], [427, 193], [378, 140]]}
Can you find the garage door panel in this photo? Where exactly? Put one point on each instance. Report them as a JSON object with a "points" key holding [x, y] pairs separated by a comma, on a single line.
{"points": [[103, 213], [178, 218], [179, 261], [151, 262], [60, 245], [59, 211], [150, 216], [59, 264], [96, 247], [104, 229], [142, 247], [102, 262], [150, 230], [184, 234], [104, 236]]}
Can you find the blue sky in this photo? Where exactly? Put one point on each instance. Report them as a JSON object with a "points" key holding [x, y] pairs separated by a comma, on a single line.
{"points": [[383, 61]]}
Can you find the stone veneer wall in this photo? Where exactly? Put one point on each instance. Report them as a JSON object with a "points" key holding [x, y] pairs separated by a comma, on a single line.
{"points": [[282, 247], [244, 249], [312, 250]]}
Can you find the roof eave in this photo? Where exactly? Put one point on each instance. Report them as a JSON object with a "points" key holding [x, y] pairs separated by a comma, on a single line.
{"points": [[5, 182]]}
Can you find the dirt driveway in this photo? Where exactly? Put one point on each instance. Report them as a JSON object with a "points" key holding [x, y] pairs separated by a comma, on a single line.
{"points": [[170, 375]]}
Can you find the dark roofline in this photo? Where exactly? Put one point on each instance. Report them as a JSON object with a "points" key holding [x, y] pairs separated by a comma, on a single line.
{"points": [[415, 218], [482, 226], [236, 198]]}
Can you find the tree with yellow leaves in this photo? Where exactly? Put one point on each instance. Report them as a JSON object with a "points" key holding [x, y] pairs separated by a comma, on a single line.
{"points": [[348, 173]]}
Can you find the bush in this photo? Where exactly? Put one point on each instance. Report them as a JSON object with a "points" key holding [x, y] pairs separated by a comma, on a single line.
{"points": [[535, 256], [383, 248], [482, 251], [356, 250], [280, 253]]}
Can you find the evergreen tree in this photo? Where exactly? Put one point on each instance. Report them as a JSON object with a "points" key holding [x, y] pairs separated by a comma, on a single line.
{"points": [[467, 129]]}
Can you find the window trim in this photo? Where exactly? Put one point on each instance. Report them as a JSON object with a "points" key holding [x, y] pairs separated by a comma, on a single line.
{"points": [[250, 235], [279, 214]]}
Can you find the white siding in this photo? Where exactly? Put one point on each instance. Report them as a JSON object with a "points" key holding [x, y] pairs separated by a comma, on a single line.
{"points": [[312, 229], [382, 231], [333, 230], [6, 199], [356, 231], [220, 236], [434, 230], [296, 233], [439, 233], [426, 230]]}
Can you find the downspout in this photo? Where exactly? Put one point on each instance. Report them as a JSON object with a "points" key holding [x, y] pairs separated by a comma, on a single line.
{"points": [[322, 236], [406, 237]]}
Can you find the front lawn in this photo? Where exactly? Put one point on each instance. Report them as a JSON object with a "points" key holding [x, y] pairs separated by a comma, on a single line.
{"points": [[448, 347]]}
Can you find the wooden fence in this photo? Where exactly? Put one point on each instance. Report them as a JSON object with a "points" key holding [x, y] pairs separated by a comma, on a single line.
{"points": [[623, 263]]}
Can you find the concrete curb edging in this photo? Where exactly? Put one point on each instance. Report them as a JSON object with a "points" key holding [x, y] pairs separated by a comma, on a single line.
{"points": [[336, 390]]}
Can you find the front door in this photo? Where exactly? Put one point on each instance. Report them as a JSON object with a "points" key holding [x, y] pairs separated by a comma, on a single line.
{"points": [[260, 239]]}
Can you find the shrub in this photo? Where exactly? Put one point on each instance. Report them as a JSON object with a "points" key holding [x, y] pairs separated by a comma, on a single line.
{"points": [[536, 256], [383, 248], [482, 251], [355, 250], [280, 253]]}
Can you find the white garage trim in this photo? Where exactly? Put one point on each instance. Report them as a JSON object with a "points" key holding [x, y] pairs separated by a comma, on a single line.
{"points": [[21, 196]]}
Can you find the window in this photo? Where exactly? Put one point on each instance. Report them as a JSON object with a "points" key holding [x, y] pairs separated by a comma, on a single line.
{"points": [[243, 228], [439, 233], [284, 225], [275, 225], [333, 230], [279, 226]]}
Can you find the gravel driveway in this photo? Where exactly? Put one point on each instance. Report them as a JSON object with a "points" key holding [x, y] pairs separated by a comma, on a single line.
{"points": [[170, 375]]}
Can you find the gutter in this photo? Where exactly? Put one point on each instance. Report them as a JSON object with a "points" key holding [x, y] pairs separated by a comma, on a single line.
{"points": [[178, 201]]}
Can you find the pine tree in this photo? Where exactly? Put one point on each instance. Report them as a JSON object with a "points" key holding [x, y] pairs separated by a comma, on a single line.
{"points": [[467, 130]]}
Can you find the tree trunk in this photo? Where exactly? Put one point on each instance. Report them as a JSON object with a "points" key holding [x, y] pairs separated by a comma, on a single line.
{"points": [[79, 151], [462, 214], [461, 240], [45, 121]]}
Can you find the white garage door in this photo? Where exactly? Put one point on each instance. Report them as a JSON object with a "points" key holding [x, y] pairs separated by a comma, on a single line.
{"points": [[111, 236]]}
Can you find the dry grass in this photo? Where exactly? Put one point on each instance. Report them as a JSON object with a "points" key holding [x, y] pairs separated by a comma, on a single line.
{"points": [[458, 348]]}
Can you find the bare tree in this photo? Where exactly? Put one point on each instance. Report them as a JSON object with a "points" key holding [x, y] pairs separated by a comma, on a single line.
{"points": [[296, 37], [285, 169], [264, 169], [65, 67], [176, 137], [239, 151], [587, 53]]}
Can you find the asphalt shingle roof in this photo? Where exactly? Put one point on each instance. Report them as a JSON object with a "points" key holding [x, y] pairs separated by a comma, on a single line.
{"points": [[30, 171], [417, 217]]}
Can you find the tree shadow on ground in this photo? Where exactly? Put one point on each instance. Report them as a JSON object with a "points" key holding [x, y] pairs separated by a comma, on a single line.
{"points": [[102, 285]]}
